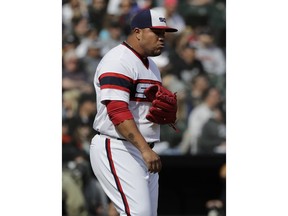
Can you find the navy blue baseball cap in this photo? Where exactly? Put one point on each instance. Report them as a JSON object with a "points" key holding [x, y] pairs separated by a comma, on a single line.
{"points": [[150, 18]]}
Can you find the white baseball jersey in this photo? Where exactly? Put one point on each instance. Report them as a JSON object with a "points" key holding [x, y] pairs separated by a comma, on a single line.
{"points": [[118, 165], [123, 75]]}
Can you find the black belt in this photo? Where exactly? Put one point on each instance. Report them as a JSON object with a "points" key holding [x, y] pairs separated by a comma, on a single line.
{"points": [[151, 144]]}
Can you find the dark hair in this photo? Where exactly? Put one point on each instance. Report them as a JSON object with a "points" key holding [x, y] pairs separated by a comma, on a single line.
{"points": [[87, 97], [205, 30], [194, 79], [207, 92]]}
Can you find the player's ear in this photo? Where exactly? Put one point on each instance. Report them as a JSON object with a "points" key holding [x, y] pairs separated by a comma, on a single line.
{"points": [[138, 32]]}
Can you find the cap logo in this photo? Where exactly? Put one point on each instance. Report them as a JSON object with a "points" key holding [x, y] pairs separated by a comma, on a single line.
{"points": [[162, 19], [150, 18]]}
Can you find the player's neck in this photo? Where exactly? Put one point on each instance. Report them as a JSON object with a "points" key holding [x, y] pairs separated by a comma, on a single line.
{"points": [[131, 47], [134, 46], [143, 59]]}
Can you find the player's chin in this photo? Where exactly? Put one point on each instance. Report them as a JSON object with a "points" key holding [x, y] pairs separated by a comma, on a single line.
{"points": [[157, 52]]}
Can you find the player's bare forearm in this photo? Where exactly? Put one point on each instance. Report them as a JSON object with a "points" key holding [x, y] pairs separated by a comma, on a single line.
{"points": [[129, 130]]}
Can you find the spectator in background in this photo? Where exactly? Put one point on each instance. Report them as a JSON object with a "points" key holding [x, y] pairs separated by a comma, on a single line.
{"points": [[197, 118], [81, 28], [113, 7], [73, 76], [82, 48], [197, 87], [82, 194], [80, 125], [217, 22], [73, 9], [212, 58], [213, 136], [73, 201], [135, 5], [201, 13], [187, 36], [113, 36], [186, 66], [96, 198], [128, 9], [92, 58], [78, 179], [69, 42], [97, 13], [68, 147], [195, 12], [70, 103]]}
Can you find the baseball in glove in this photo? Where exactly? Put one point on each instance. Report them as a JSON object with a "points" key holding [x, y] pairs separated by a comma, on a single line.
{"points": [[164, 105]]}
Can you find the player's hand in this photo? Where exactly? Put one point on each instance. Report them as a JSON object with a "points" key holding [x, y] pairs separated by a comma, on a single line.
{"points": [[152, 160]]}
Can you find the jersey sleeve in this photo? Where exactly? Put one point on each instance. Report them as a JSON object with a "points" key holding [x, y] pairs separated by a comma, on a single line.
{"points": [[115, 81]]}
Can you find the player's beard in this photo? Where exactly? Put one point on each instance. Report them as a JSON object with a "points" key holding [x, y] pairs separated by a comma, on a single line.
{"points": [[152, 50], [156, 51]]}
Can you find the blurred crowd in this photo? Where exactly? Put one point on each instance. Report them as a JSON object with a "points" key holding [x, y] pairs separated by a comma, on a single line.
{"points": [[193, 64]]}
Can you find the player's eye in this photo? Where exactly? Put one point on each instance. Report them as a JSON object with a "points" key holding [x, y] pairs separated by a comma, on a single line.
{"points": [[159, 32]]}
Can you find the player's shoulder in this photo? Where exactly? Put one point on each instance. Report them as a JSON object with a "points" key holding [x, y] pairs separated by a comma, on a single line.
{"points": [[118, 53], [114, 51], [116, 60]]}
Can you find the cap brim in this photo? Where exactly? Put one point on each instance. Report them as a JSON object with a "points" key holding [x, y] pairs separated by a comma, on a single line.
{"points": [[167, 29]]}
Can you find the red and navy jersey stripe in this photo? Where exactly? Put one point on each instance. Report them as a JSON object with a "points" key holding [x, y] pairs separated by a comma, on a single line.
{"points": [[135, 88], [116, 81]]}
